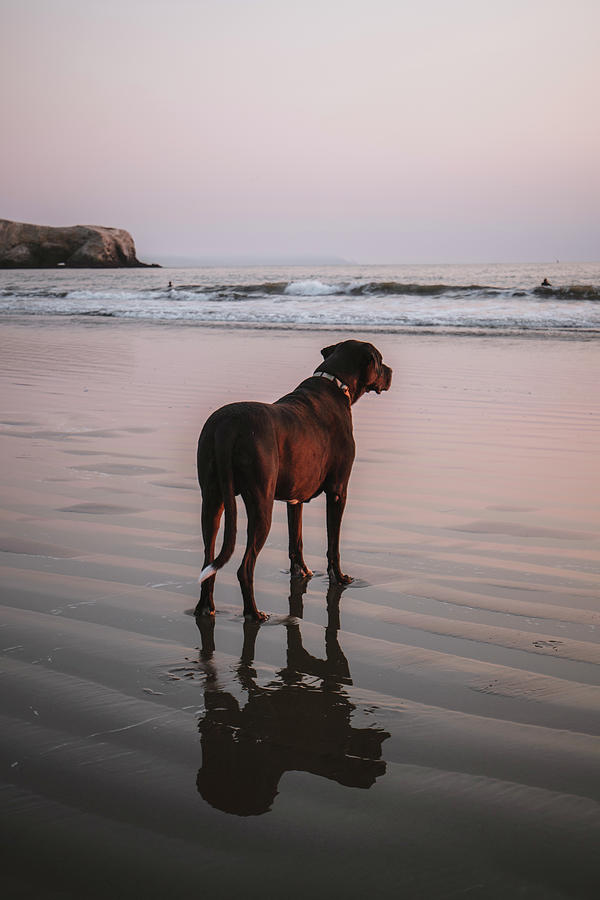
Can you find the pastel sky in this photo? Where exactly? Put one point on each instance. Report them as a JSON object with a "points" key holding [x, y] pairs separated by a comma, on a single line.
{"points": [[374, 130]]}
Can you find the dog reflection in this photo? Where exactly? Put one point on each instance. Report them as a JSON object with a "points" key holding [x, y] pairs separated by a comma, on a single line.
{"points": [[299, 722]]}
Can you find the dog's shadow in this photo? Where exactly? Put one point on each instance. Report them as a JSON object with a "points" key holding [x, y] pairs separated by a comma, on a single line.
{"points": [[301, 721]]}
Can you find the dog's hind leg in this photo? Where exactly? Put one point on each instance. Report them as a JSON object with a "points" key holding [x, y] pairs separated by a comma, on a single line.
{"points": [[259, 508], [298, 567], [212, 509]]}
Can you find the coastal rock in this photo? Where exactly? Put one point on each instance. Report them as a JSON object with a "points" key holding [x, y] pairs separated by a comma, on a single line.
{"points": [[24, 246]]}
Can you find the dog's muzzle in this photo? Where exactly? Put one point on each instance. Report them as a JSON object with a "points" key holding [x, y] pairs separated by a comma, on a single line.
{"points": [[383, 381]]}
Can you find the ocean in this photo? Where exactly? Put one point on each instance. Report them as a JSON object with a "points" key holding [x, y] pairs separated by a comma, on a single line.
{"points": [[460, 299]]}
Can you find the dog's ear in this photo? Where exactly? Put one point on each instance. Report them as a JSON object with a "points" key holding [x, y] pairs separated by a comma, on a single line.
{"points": [[327, 351], [371, 367]]}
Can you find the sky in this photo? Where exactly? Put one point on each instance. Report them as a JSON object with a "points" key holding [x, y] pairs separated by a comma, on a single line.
{"points": [[378, 131]]}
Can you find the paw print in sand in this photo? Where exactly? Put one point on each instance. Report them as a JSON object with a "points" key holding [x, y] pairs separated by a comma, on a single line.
{"points": [[552, 644]]}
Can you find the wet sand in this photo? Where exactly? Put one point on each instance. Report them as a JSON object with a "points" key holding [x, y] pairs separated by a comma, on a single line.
{"points": [[429, 732]]}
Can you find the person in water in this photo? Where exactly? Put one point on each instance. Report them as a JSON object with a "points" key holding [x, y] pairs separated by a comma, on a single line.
{"points": [[170, 284], [546, 283]]}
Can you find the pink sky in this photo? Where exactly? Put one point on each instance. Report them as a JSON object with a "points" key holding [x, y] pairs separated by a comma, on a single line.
{"points": [[449, 130]]}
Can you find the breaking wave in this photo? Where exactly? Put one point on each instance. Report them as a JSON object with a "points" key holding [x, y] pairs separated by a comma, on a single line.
{"points": [[305, 288]]}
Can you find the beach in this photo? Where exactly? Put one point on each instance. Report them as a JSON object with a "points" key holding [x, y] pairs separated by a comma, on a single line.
{"points": [[431, 731]]}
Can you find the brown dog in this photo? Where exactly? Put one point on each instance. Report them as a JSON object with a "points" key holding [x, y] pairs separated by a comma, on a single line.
{"points": [[290, 450]]}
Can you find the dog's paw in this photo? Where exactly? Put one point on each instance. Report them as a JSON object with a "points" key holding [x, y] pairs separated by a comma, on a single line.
{"points": [[339, 577], [202, 611], [256, 617], [297, 571]]}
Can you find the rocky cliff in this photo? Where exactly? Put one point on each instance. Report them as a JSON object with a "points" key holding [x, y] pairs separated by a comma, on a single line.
{"points": [[25, 246]]}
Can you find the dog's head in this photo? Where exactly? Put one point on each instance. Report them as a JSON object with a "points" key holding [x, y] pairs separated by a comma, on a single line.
{"points": [[359, 365]]}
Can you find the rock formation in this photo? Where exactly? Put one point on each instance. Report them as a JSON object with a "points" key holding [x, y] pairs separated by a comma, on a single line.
{"points": [[25, 246]]}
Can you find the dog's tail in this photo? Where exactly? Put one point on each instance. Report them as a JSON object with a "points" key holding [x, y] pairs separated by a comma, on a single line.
{"points": [[223, 459]]}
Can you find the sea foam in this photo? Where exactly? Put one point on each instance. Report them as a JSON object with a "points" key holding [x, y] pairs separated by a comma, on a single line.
{"points": [[311, 288]]}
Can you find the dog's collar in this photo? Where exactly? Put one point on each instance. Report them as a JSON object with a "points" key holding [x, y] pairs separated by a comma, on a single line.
{"points": [[343, 387]]}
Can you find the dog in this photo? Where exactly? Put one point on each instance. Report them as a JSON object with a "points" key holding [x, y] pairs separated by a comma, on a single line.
{"points": [[291, 450]]}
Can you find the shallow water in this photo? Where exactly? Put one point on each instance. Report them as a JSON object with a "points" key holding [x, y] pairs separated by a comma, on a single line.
{"points": [[431, 731]]}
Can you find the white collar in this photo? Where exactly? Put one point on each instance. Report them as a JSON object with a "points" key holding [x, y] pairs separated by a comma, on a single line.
{"points": [[343, 387]]}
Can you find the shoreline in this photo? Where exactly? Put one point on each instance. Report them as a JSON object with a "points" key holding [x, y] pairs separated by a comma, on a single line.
{"points": [[562, 334]]}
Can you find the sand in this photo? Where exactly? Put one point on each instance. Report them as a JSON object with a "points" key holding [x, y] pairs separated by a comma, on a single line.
{"points": [[429, 732]]}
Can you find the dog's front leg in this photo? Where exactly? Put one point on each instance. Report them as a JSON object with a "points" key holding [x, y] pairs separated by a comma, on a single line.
{"points": [[336, 501], [298, 567]]}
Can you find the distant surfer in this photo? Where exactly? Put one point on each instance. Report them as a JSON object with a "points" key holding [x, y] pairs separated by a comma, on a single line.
{"points": [[546, 283], [170, 285]]}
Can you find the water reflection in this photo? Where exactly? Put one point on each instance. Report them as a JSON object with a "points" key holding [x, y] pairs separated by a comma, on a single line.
{"points": [[300, 721]]}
